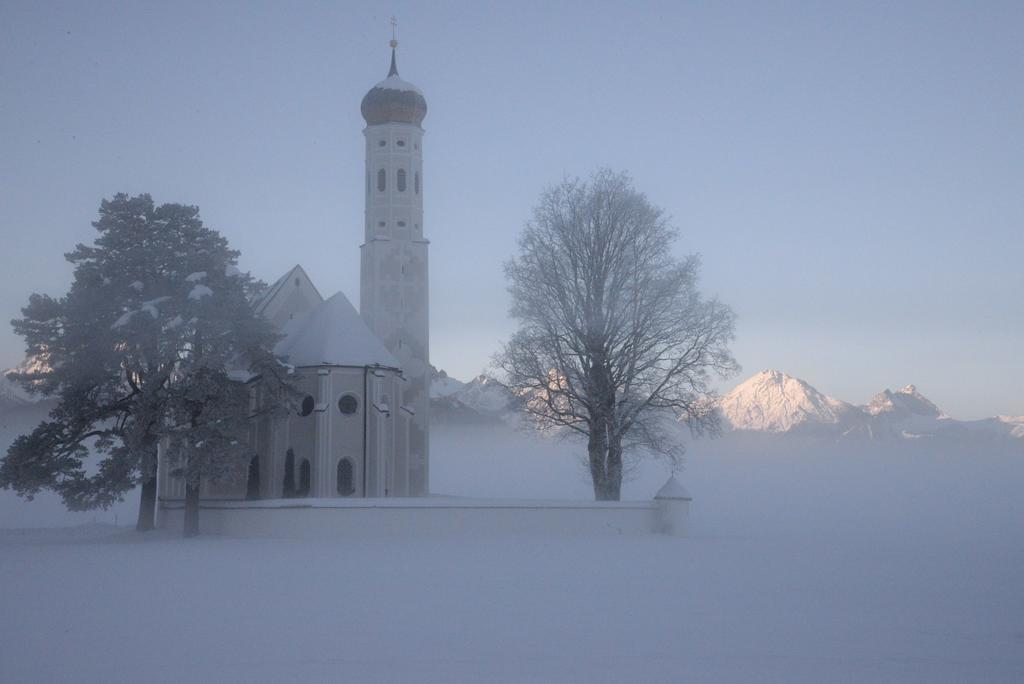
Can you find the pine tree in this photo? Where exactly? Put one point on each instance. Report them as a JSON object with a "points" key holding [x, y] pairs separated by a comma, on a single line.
{"points": [[223, 348], [157, 302]]}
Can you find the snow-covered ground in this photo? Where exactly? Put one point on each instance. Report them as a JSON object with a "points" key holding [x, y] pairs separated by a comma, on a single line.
{"points": [[801, 566]]}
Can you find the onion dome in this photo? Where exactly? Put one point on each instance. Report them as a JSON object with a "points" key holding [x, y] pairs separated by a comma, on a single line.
{"points": [[394, 100]]}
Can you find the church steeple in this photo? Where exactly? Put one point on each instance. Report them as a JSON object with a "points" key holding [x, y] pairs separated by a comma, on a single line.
{"points": [[394, 67], [393, 297]]}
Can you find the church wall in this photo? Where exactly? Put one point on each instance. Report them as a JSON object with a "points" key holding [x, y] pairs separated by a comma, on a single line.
{"points": [[346, 519], [377, 427], [300, 431], [345, 431], [387, 472], [263, 447], [173, 487]]}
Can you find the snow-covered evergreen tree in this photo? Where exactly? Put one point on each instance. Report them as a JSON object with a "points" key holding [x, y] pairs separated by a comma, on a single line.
{"points": [[119, 351]]}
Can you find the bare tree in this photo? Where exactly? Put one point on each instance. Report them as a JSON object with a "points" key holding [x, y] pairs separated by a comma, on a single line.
{"points": [[615, 342]]}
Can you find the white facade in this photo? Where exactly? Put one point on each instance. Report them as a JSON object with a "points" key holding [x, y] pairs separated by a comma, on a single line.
{"points": [[362, 429], [348, 436]]}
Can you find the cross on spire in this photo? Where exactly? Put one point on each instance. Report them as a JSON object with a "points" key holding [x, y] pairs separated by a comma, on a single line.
{"points": [[394, 44]]}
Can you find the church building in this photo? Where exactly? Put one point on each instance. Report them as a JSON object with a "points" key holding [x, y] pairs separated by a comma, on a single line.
{"points": [[362, 427]]}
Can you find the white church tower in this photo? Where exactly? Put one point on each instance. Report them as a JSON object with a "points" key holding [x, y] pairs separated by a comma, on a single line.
{"points": [[393, 283]]}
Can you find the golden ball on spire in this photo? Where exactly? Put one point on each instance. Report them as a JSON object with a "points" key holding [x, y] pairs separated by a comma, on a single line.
{"points": [[394, 43]]}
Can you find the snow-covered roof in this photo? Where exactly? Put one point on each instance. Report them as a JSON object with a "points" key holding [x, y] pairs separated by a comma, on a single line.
{"points": [[672, 490], [260, 301], [332, 334], [396, 83]]}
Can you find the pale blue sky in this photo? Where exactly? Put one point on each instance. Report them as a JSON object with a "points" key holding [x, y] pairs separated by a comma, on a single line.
{"points": [[853, 173]]}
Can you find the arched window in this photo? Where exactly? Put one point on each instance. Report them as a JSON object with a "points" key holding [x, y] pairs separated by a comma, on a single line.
{"points": [[252, 484], [416, 182], [308, 404], [288, 490], [305, 478], [382, 180], [401, 180], [346, 484]]}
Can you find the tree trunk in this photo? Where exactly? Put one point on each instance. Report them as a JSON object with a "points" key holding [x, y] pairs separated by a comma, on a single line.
{"points": [[613, 472], [147, 505], [147, 499], [191, 510], [597, 451]]}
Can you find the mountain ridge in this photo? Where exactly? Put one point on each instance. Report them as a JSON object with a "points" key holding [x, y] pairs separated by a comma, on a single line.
{"points": [[777, 403], [771, 402]]}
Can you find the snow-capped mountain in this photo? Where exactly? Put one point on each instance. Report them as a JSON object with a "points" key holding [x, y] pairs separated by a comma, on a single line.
{"points": [[443, 385], [485, 395], [1014, 423], [20, 411], [777, 403], [772, 401], [480, 400], [904, 402], [11, 393]]}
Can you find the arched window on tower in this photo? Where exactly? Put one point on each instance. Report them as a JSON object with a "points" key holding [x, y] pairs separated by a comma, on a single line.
{"points": [[401, 180], [416, 182], [382, 180]]}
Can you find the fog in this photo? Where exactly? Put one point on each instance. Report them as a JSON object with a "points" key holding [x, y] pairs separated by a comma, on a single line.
{"points": [[834, 192], [804, 562], [743, 484]]}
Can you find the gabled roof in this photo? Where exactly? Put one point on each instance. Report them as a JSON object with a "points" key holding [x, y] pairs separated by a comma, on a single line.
{"points": [[260, 301], [332, 334]]}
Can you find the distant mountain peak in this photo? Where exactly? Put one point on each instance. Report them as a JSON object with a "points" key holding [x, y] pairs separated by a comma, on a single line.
{"points": [[443, 385], [11, 392], [906, 401], [773, 401]]}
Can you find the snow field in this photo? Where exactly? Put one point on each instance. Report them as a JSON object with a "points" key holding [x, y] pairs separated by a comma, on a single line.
{"points": [[801, 566], [630, 609]]}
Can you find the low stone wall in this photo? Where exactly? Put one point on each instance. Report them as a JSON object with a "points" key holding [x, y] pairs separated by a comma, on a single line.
{"points": [[368, 518]]}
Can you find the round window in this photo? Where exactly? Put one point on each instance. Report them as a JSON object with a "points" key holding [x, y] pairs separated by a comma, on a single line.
{"points": [[348, 404], [308, 404]]}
